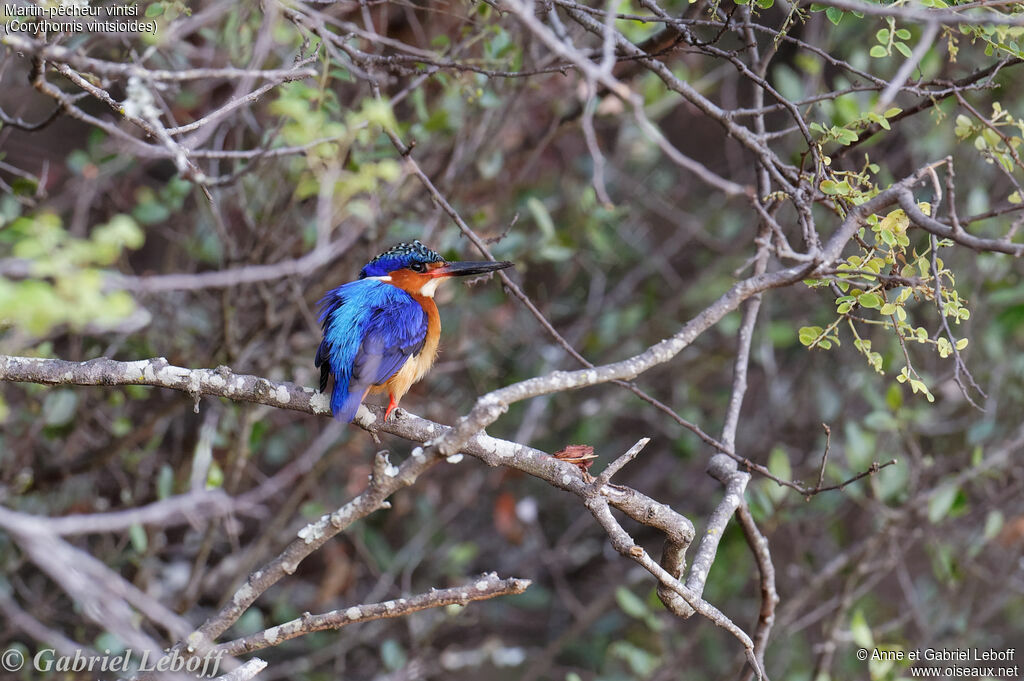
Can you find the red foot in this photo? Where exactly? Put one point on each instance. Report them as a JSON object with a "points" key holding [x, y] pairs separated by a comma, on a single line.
{"points": [[391, 406]]}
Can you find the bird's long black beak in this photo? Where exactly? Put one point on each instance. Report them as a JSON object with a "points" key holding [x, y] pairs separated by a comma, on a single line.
{"points": [[461, 269]]}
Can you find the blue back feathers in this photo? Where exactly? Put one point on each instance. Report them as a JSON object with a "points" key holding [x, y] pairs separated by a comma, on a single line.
{"points": [[371, 329], [399, 257]]}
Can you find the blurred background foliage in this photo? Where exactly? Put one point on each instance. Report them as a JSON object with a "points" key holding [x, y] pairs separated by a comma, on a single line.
{"points": [[926, 553]]}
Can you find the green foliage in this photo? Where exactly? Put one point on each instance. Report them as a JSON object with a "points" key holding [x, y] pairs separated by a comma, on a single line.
{"points": [[165, 482], [313, 119], [635, 607], [156, 206], [549, 246], [139, 538], [59, 407], [168, 9], [875, 288], [780, 467], [834, 14], [942, 502], [65, 283], [889, 38], [997, 138], [641, 662], [214, 476], [393, 655], [1001, 40], [849, 133]]}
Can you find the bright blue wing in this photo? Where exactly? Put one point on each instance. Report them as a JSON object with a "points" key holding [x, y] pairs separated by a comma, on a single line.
{"points": [[370, 330]]}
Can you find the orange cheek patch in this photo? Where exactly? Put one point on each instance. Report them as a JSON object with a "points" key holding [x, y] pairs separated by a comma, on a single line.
{"points": [[409, 281]]}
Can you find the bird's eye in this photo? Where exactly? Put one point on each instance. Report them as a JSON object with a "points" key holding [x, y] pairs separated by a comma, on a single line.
{"points": [[418, 267]]}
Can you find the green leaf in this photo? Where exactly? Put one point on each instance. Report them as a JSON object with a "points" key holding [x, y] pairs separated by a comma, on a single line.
{"points": [[870, 300], [941, 502], [630, 603], [140, 540], [878, 52], [778, 464], [541, 216], [903, 34], [151, 212], [834, 14], [860, 630], [882, 36], [807, 334], [903, 49], [393, 655], [165, 482], [215, 476], [22, 186], [59, 407], [919, 387], [842, 188], [846, 137], [993, 524], [641, 662], [107, 641]]}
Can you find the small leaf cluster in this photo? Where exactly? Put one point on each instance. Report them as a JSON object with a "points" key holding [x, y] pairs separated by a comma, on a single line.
{"points": [[763, 4], [834, 14], [993, 146], [848, 134], [310, 114], [874, 288], [1004, 40], [849, 186], [65, 282], [890, 38]]}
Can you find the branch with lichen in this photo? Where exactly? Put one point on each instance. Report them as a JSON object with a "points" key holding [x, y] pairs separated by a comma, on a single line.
{"points": [[480, 589]]}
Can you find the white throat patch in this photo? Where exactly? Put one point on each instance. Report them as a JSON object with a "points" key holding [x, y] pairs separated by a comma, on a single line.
{"points": [[430, 287]]}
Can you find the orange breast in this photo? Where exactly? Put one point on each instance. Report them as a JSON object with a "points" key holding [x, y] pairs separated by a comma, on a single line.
{"points": [[419, 364]]}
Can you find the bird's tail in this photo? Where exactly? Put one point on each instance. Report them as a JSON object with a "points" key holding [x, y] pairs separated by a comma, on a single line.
{"points": [[345, 403]]}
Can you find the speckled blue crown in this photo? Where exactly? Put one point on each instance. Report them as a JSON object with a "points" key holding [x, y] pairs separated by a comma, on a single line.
{"points": [[398, 257]]}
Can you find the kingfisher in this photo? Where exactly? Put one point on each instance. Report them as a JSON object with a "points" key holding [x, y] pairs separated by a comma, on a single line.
{"points": [[381, 331]]}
